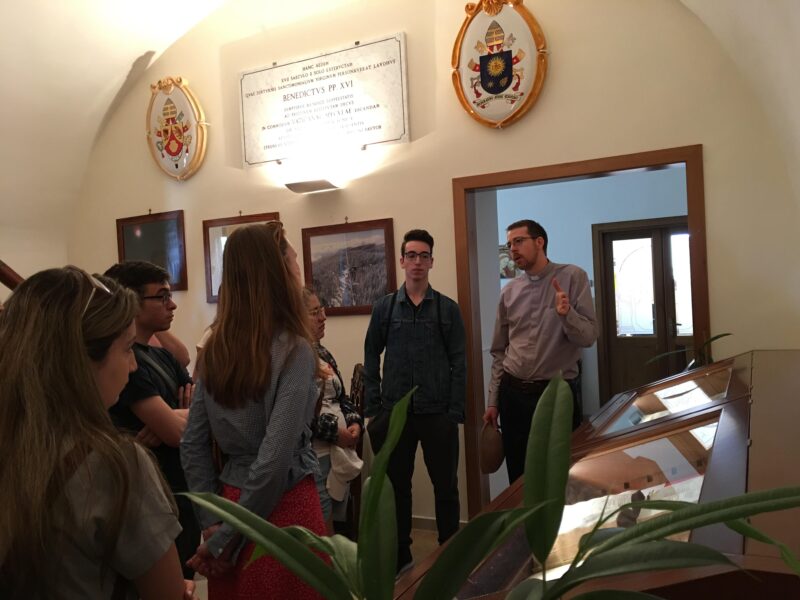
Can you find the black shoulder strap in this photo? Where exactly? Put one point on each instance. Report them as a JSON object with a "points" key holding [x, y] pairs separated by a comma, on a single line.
{"points": [[439, 318], [172, 385], [389, 320]]}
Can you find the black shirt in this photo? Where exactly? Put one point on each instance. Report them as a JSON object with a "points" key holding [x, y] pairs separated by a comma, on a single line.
{"points": [[146, 382]]}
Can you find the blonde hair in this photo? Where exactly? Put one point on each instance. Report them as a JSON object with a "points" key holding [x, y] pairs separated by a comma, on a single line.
{"points": [[259, 297], [52, 416]]}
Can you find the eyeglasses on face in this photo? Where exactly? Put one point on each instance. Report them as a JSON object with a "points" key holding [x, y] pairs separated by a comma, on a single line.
{"points": [[413, 256], [164, 297], [518, 241], [315, 312], [96, 285]]}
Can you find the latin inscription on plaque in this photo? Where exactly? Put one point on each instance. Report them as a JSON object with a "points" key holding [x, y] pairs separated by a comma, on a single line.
{"points": [[353, 97]]}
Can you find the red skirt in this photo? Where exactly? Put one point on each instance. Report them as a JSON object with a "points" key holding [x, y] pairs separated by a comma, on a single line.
{"points": [[266, 577]]}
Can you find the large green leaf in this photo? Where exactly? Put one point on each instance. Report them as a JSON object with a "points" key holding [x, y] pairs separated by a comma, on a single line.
{"points": [[738, 525], [378, 566], [748, 530], [647, 556], [547, 465], [277, 543], [304, 536], [343, 552], [530, 589], [377, 537], [345, 561], [699, 515], [467, 549]]}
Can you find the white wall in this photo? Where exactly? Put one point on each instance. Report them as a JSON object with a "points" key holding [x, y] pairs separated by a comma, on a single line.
{"points": [[31, 249], [625, 76]]}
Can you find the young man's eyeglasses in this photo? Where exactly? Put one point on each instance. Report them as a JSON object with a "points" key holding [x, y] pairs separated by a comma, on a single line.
{"points": [[164, 297], [518, 241], [413, 256]]}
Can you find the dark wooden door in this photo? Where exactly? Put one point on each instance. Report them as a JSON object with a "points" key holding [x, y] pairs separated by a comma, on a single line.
{"points": [[644, 287]]}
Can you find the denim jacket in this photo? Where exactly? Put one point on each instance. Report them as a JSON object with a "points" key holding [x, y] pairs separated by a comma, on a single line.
{"points": [[422, 348]]}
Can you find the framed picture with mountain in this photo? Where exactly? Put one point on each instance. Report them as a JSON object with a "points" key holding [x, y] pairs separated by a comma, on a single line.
{"points": [[350, 265]]}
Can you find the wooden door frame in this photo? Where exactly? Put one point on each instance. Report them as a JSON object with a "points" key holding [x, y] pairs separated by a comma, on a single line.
{"points": [[464, 221], [599, 230]]}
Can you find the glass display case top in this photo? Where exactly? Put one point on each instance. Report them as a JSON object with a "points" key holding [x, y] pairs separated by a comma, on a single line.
{"points": [[705, 387], [671, 467]]}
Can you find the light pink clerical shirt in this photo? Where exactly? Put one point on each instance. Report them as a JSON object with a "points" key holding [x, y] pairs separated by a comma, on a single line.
{"points": [[531, 341]]}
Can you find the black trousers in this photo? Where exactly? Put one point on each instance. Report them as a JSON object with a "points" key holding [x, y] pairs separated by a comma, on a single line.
{"points": [[438, 435], [189, 539], [516, 406]]}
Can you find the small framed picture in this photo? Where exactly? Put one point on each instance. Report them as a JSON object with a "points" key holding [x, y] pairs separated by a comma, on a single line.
{"points": [[157, 238], [215, 234], [351, 265]]}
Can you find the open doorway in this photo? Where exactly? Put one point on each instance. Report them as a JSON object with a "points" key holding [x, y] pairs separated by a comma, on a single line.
{"points": [[476, 198]]}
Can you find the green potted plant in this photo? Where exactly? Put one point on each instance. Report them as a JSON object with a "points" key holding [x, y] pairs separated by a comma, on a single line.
{"points": [[366, 570]]}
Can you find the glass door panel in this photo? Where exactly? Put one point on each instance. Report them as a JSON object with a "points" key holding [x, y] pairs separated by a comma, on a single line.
{"points": [[633, 286], [681, 275]]}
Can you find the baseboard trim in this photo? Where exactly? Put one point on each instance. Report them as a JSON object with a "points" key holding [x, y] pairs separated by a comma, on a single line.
{"points": [[427, 523]]}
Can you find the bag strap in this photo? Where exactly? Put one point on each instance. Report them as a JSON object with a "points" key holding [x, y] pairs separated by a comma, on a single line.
{"points": [[142, 356], [389, 320], [438, 318]]}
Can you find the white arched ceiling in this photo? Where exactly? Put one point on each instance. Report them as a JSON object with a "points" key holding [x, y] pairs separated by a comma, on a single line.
{"points": [[62, 67], [763, 40], [65, 64]]}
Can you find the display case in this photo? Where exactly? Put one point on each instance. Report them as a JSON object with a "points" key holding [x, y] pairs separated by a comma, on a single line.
{"points": [[699, 436]]}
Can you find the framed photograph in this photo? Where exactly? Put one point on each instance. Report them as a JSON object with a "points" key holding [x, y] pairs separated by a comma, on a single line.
{"points": [[157, 238], [508, 268], [350, 265], [215, 234]]}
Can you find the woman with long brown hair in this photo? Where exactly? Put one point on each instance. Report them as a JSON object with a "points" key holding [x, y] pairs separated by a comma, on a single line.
{"points": [[84, 510], [256, 394]]}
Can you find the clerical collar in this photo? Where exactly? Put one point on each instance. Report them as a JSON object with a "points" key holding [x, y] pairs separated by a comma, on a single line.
{"points": [[544, 273]]}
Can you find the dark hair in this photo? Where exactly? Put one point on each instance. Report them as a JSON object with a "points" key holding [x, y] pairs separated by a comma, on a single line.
{"points": [[416, 235], [535, 230], [135, 274]]}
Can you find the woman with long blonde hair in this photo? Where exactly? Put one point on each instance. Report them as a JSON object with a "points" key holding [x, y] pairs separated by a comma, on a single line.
{"points": [[84, 511], [256, 394]]}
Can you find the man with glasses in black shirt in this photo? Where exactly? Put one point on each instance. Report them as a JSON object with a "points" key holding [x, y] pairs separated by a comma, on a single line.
{"points": [[421, 334], [155, 403]]}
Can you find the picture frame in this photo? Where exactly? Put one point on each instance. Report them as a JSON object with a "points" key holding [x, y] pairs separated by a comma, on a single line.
{"points": [[508, 269], [215, 234], [350, 265], [157, 238]]}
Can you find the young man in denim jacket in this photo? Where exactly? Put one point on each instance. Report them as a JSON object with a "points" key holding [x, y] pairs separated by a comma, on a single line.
{"points": [[421, 334]]}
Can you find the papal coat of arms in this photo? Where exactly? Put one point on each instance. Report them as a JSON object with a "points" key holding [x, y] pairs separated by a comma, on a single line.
{"points": [[176, 128], [499, 61]]}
